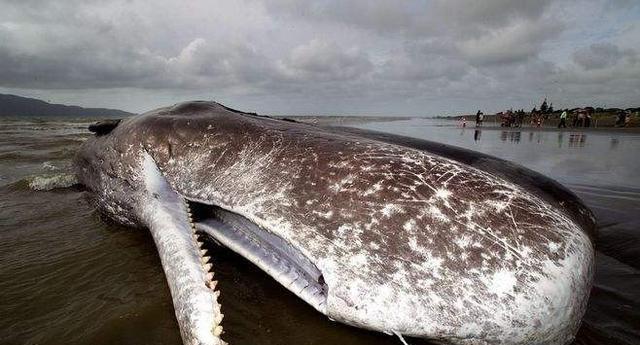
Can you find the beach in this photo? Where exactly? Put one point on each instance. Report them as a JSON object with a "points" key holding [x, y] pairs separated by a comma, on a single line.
{"points": [[68, 276]]}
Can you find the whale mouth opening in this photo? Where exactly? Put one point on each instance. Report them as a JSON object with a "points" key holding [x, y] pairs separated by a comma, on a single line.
{"points": [[271, 253]]}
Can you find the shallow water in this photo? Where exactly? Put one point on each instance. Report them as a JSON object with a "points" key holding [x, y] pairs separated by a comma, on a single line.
{"points": [[68, 277]]}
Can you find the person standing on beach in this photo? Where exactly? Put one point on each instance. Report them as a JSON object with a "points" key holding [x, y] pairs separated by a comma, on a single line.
{"points": [[580, 118], [519, 118], [479, 118], [627, 118], [621, 120], [563, 119]]}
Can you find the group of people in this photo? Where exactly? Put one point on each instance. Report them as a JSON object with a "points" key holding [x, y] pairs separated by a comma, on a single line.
{"points": [[623, 118], [580, 118], [511, 118]]}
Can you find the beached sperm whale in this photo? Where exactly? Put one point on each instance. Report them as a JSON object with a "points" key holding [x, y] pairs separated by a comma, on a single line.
{"points": [[386, 233]]}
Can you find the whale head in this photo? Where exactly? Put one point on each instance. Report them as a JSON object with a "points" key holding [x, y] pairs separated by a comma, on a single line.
{"points": [[371, 233]]}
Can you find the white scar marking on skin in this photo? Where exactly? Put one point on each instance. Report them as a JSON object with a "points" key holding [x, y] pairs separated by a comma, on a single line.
{"points": [[409, 225], [502, 282], [326, 215], [389, 209], [442, 193]]}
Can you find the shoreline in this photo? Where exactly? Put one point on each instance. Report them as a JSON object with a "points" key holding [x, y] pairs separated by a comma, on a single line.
{"points": [[550, 126], [556, 129], [355, 120], [341, 120]]}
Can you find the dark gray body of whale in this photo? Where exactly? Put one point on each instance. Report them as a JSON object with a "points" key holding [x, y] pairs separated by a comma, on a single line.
{"points": [[377, 231]]}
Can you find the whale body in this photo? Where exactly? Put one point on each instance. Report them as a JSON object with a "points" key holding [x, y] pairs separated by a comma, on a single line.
{"points": [[381, 232]]}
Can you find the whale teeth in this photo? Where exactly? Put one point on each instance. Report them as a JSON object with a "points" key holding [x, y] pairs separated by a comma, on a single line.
{"points": [[199, 239]]}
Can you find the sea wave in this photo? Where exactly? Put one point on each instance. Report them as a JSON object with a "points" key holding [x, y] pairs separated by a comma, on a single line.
{"points": [[51, 181], [611, 192], [49, 166]]}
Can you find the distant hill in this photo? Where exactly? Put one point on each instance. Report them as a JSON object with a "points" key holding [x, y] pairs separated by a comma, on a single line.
{"points": [[11, 105]]}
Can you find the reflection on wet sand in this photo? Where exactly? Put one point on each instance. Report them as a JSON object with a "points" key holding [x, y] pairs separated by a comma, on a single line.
{"points": [[560, 139], [614, 143], [577, 140], [511, 136], [477, 134]]}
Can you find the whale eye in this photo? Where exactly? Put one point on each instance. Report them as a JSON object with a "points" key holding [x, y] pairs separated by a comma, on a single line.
{"points": [[104, 127]]}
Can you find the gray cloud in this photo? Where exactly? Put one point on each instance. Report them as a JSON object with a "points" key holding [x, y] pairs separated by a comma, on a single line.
{"points": [[416, 18], [515, 43], [285, 56], [325, 61], [601, 55]]}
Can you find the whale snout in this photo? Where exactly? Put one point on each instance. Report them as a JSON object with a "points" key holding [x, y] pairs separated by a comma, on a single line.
{"points": [[537, 295]]}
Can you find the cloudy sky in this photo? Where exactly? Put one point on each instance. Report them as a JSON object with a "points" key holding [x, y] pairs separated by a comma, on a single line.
{"points": [[386, 57]]}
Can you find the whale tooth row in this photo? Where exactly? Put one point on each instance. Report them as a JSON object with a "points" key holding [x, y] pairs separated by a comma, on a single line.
{"points": [[212, 284], [209, 282]]}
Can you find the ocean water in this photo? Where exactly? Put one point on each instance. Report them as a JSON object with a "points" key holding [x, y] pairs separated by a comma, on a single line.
{"points": [[69, 277]]}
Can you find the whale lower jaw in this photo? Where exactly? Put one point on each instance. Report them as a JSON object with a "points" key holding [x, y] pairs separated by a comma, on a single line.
{"points": [[178, 226], [186, 266], [283, 262]]}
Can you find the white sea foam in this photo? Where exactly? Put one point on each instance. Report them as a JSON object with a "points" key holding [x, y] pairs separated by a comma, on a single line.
{"points": [[49, 166], [53, 181]]}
